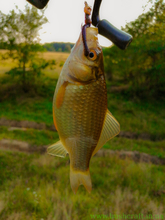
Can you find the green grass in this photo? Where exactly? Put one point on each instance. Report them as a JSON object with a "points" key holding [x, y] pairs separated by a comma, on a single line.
{"points": [[156, 148], [38, 187], [30, 109], [134, 116], [36, 105], [139, 117], [32, 136], [45, 137]]}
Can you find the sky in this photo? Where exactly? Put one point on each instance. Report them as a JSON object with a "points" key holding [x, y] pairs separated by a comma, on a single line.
{"points": [[66, 17]]}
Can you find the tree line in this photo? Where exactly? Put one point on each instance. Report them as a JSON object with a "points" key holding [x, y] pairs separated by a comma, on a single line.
{"points": [[58, 46], [142, 64], [54, 46]]}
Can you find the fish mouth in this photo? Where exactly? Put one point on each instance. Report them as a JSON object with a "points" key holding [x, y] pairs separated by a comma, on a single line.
{"points": [[80, 72]]}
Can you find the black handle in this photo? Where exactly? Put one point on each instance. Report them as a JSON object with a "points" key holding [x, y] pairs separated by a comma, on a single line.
{"points": [[40, 4], [118, 37], [95, 13]]}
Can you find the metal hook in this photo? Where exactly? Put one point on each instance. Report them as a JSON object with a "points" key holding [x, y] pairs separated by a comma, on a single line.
{"points": [[87, 10]]}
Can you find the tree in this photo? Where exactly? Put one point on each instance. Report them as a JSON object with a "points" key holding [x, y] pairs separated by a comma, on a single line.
{"points": [[143, 63], [19, 35]]}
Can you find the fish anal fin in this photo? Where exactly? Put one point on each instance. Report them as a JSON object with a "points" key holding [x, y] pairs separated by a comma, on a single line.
{"points": [[57, 149], [60, 94], [111, 128], [80, 178]]}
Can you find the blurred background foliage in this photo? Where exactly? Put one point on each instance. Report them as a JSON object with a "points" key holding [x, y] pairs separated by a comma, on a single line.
{"points": [[19, 35], [142, 65]]}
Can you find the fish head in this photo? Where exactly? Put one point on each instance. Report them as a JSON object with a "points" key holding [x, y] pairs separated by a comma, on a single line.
{"points": [[86, 68]]}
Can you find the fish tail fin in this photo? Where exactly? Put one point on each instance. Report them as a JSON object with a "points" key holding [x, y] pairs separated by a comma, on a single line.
{"points": [[78, 177]]}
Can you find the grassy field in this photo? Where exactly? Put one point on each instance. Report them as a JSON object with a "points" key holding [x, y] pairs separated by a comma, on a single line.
{"points": [[60, 58], [6, 65], [36, 187]]}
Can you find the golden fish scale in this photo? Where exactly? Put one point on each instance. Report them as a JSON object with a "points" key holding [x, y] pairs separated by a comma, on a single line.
{"points": [[80, 120]]}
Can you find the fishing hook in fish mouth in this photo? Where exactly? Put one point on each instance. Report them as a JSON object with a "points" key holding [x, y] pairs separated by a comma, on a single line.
{"points": [[87, 10], [86, 50]]}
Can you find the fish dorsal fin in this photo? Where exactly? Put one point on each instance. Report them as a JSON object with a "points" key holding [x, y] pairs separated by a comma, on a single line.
{"points": [[57, 149], [110, 129]]}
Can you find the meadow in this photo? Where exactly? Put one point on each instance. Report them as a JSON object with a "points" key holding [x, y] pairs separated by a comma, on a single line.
{"points": [[59, 57], [36, 186]]}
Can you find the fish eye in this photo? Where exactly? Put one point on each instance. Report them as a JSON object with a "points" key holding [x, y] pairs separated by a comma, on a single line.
{"points": [[92, 55]]}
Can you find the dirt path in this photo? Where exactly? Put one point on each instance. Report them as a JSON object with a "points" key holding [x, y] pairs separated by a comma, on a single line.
{"points": [[25, 124], [22, 125], [21, 146], [14, 145]]}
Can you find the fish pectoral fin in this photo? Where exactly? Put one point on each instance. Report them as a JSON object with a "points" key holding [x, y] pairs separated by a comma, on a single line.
{"points": [[60, 94], [111, 128], [57, 149]]}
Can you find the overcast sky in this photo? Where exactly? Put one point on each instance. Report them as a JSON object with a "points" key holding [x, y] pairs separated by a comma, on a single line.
{"points": [[66, 16]]}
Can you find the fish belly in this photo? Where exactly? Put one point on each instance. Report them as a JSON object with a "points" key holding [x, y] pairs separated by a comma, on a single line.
{"points": [[79, 120]]}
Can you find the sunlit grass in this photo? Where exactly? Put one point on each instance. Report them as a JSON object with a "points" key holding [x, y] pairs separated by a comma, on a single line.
{"points": [[59, 57], [5, 65]]}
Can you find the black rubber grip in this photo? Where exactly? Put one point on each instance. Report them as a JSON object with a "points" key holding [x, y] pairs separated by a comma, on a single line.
{"points": [[40, 4], [118, 37]]}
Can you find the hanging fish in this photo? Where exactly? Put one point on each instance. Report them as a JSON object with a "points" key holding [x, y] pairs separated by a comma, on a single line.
{"points": [[80, 113]]}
